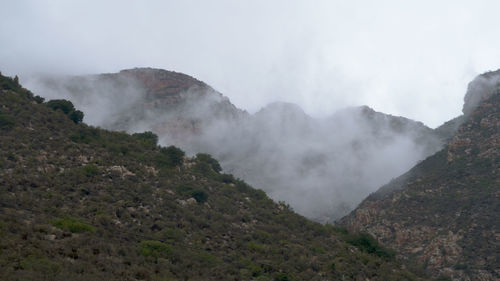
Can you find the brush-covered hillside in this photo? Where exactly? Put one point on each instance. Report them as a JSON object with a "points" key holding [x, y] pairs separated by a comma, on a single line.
{"points": [[82, 203], [444, 213]]}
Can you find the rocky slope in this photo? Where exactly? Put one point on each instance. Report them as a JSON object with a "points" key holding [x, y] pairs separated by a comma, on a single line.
{"points": [[322, 167], [444, 212], [82, 203]]}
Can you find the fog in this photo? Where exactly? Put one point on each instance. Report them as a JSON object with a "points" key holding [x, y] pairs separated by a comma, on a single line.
{"points": [[322, 167], [404, 58], [309, 60]]}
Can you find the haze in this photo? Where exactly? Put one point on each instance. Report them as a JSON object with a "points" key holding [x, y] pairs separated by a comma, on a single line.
{"points": [[322, 167], [408, 59]]}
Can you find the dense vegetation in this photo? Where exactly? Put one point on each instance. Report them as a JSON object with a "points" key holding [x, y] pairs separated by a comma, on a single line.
{"points": [[82, 203]]}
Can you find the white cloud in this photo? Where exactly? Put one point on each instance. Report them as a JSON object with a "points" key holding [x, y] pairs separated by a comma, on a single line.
{"points": [[411, 59]]}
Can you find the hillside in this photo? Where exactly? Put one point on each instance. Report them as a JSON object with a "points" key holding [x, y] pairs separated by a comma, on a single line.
{"points": [[322, 167], [82, 203], [444, 212]]}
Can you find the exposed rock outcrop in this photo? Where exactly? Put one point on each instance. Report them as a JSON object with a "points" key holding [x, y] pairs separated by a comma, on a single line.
{"points": [[444, 212]]}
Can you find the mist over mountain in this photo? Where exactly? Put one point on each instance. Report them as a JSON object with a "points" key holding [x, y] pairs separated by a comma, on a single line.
{"points": [[322, 167]]}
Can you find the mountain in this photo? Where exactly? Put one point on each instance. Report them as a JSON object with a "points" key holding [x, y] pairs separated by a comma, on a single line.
{"points": [[142, 99], [81, 203], [444, 212], [322, 167]]}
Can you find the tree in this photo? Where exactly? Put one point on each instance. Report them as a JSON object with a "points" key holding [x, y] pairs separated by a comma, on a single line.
{"points": [[76, 116], [64, 105], [147, 138], [208, 159], [170, 157], [67, 108]]}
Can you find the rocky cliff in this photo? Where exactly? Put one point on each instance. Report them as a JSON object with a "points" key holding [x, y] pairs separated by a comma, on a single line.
{"points": [[444, 212]]}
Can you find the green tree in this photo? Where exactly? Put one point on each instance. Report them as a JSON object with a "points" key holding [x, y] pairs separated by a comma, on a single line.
{"points": [[147, 138], [170, 156], [64, 105], [208, 159], [67, 108]]}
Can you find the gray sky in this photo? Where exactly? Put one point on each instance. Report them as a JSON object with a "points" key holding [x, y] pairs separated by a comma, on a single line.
{"points": [[404, 58]]}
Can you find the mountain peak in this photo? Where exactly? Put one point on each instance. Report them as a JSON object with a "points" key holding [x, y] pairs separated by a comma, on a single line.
{"points": [[283, 107], [480, 89], [163, 82]]}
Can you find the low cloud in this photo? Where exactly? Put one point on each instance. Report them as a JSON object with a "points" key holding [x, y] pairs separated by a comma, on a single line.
{"points": [[322, 167]]}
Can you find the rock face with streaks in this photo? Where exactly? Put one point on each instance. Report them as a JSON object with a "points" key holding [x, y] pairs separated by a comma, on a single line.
{"points": [[444, 212]]}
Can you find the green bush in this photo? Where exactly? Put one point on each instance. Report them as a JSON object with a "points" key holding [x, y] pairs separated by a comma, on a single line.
{"points": [[67, 108], [170, 157], [40, 265], [156, 249], [85, 135], [367, 243], [208, 159], [187, 190], [200, 196], [282, 277], [76, 116], [6, 122], [72, 225], [226, 178], [64, 105], [147, 138], [7, 83], [90, 170]]}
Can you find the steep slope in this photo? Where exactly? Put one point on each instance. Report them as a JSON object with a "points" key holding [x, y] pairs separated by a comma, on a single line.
{"points": [[322, 167], [81, 203], [444, 212]]}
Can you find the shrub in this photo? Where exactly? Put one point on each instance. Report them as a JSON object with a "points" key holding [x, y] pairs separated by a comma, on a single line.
{"points": [[38, 99], [147, 138], [226, 178], [200, 196], [282, 277], [170, 157], [72, 225], [208, 159], [187, 190], [6, 122], [7, 83], [67, 108], [76, 116], [40, 265], [85, 135], [90, 170], [367, 243], [64, 105], [156, 249]]}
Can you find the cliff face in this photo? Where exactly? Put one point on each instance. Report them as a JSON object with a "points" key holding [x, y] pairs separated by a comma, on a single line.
{"points": [[444, 212]]}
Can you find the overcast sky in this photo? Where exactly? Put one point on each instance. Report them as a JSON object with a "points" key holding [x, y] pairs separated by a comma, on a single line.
{"points": [[409, 58]]}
